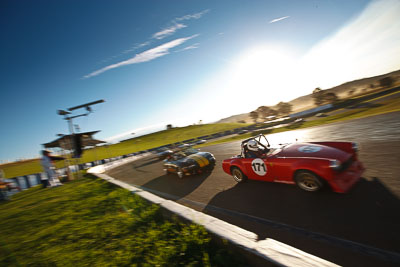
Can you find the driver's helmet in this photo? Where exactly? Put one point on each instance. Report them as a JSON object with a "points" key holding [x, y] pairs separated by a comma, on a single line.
{"points": [[252, 145]]}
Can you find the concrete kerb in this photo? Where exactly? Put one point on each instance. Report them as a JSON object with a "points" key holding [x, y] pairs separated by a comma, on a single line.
{"points": [[275, 252]]}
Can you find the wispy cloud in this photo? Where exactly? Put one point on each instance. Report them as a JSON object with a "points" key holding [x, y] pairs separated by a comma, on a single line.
{"points": [[145, 56], [133, 48], [193, 16], [168, 31], [136, 46], [177, 26], [193, 46], [279, 19]]}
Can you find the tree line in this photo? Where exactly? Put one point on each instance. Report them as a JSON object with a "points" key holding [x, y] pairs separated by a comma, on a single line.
{"points": [[320, 97], [263, 112]]}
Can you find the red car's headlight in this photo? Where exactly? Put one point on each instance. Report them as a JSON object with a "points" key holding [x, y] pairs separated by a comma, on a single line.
{"points": [[334, 164], [354, 146]]}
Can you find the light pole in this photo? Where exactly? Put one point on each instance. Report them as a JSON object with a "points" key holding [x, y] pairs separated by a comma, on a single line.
{"points": [[70, 118]]}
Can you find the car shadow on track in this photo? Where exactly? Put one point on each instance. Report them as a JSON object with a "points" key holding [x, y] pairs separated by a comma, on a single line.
{"points": [[175, 188], [368, 214], [144, 164]]}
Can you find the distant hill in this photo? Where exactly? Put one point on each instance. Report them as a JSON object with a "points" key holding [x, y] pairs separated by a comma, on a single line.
{"points": [[236, 118], [305, 102]]}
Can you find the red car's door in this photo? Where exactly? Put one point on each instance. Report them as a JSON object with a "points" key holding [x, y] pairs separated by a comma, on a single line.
{"points": [[258, 169], [282, 167]]}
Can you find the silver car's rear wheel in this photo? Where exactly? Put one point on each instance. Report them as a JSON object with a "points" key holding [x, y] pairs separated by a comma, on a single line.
{"points": [[308, 181], [238, 175]]}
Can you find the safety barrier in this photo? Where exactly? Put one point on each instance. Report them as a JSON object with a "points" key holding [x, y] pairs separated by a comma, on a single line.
{"points": [[27, 181]]}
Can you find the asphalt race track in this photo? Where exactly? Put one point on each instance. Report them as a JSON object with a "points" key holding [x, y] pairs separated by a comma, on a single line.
{"points": [[360, 228]]}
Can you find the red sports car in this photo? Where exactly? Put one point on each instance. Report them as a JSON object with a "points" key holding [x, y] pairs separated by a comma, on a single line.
{"points": [[311, 166]]}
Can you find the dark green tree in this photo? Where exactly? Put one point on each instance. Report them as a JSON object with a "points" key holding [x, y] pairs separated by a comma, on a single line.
{"points": [[284, 108], [318, 96], [386, 82], [254, 116], [330, 98], [265, 111]]}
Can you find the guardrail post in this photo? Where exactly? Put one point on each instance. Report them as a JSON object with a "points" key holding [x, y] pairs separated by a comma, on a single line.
{"points": [[38, 178], [17, 181], [28, 183]]}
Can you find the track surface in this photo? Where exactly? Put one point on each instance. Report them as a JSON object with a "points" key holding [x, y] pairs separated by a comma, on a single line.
{"points": [[323, 224]]}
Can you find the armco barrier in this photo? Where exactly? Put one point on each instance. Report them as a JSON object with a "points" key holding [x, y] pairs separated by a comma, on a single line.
{"points": [[266, 252], [27, 181]]}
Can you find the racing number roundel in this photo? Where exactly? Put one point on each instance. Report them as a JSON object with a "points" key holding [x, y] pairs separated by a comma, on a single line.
{"points": [[309, 149], [259, 167]]}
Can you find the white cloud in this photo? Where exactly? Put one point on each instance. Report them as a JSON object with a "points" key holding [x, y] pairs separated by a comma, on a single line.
{"points": [[136, 46], [155, 52], [168, 31], [177, 26], [193, 16], [145, 56], [193, 46], [279, 19]]}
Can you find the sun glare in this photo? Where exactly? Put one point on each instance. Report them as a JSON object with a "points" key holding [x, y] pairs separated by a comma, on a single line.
{"points": [[260, 76], [263, 72]]}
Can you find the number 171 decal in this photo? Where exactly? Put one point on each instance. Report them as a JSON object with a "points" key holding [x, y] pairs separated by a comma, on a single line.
{"points": [[259, 167]]}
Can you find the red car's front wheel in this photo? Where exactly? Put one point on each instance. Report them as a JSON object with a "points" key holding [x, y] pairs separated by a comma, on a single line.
{"points": [[308, 181]]}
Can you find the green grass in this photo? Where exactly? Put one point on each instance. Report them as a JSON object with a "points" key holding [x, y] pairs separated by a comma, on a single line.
{"points": [[89, 222]]}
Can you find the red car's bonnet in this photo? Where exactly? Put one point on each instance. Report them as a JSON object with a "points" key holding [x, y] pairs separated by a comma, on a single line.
{"points": [[308, 150]]}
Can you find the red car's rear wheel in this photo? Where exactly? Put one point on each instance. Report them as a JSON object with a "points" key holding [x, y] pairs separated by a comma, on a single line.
{"points": [[238, 175], [308, 181]]}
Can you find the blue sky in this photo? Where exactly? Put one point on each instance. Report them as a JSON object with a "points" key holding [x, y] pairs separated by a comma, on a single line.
{"points": [[178, 62]]}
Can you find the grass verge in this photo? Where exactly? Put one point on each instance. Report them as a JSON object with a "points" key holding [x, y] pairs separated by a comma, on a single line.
{"points": [[89, 222]]}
